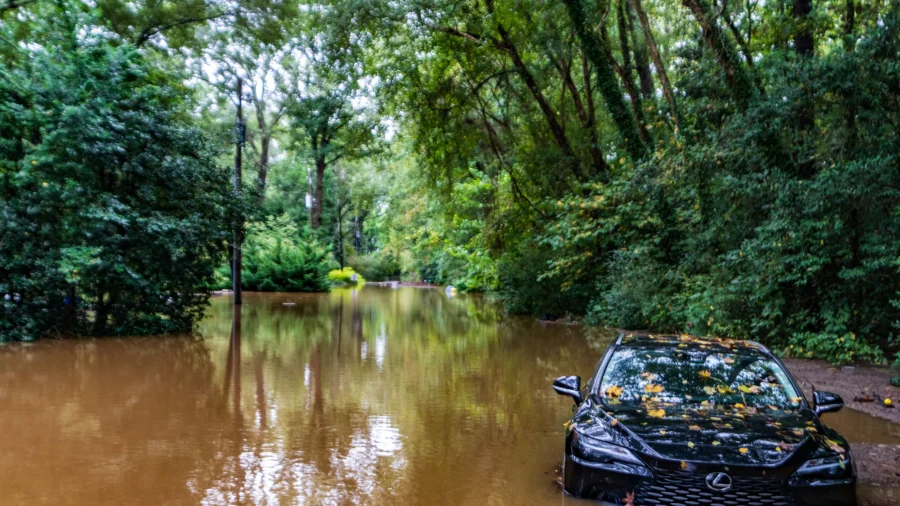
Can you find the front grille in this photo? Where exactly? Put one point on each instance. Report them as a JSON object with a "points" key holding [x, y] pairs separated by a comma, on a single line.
{"points": [[679, 488]]}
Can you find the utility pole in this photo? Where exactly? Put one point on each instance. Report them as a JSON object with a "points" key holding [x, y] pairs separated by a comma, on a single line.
{"points": [[240, 138]]}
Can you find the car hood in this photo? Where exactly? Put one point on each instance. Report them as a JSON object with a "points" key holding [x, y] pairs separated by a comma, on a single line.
{"points": [[710, 434]]}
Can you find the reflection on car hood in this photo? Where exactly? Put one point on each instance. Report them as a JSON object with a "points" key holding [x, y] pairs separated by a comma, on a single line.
{"points": [[727, 435]]}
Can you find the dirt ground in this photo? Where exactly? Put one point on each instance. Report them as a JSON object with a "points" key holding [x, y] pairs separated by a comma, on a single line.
{"points": [[853, 384], [877, 462]]}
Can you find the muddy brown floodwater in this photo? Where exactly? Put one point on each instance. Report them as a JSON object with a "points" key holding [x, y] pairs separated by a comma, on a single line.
{"points": [[376, 396]]}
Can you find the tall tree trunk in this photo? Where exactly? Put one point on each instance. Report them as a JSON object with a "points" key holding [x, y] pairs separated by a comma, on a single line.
{"points": [[806, 119], [657, 59], [315, 215], [738, 78], [265, 139], [849, 25], [263, 169], [637, 106], [586, 114], [641, 62], [606, 81], [803, 38], [596, 153]]}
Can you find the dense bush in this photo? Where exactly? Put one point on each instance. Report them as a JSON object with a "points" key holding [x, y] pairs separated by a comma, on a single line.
{"points": [[345, 277], [112, 214], [378, 266], [278, 257]]}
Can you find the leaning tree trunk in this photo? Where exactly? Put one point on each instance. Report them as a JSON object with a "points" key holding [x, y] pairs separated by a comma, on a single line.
{"points": [[637, 105], [739, 80], [606, 81], [641, 62], [657, 59]]}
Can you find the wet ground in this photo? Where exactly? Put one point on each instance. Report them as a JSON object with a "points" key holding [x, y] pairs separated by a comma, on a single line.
{"points": [[377, 396]]}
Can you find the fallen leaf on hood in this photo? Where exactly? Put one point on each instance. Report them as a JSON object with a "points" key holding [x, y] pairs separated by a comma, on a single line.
{"points": [[656, 413], [743, 450]]}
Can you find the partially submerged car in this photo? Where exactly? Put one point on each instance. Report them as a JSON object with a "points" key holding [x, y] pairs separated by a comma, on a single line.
{"points": [[676, 420]]}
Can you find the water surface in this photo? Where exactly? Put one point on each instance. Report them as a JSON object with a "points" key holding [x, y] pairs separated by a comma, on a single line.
{"points": [[364, 397], [376, 396]]}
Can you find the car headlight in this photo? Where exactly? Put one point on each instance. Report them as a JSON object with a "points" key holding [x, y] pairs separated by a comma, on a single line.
{"points": [[601, 452], [832, 466]]}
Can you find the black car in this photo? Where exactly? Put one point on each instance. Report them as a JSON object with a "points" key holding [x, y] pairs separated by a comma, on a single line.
{"points": [[676, 420]]}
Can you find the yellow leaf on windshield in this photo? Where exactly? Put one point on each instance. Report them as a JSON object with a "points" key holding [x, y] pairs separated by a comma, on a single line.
{"points": [[743, 450], [613, 391], [653, 388]]}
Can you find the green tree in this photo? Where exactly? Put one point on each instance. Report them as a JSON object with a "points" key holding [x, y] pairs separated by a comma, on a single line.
{"points": [[109, 198]]}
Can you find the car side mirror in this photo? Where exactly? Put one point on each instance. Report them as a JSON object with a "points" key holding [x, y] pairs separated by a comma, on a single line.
{"points": [[569, 385], [827, 402]]}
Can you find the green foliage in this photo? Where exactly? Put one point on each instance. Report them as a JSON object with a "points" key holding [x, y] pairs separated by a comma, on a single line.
{"points": [[378, 266], [770, 211], [113, 214], [345, 277], [278, 257]]}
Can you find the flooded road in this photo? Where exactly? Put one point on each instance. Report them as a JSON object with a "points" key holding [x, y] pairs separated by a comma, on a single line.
{"points": [[376, 396]]}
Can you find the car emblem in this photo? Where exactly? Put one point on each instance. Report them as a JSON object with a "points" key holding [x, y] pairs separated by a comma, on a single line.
{"points": [[718, 482]]}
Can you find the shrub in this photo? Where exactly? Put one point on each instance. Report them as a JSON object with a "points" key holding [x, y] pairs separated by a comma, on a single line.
{"points": [[345, 277], [278, 257], [378, 266]]}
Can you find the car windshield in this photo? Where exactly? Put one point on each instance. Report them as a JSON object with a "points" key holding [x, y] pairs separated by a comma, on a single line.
{"points": [[676, 376]]}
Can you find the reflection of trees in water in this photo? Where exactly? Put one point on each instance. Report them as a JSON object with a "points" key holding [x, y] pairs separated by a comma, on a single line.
{"points": [[348, 397], [334, 419]]}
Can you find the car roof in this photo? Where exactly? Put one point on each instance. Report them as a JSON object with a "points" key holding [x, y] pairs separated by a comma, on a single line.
{"points": [[640, 339]]}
